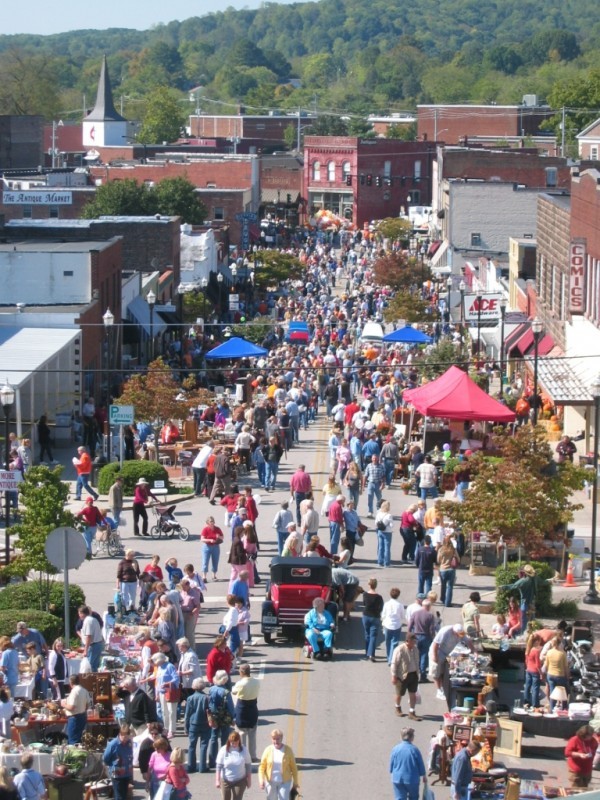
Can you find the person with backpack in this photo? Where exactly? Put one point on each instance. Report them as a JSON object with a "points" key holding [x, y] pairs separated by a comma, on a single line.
{"points": [[220, 714], [197, 727]]}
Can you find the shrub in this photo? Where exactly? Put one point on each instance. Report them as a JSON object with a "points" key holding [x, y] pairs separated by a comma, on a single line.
{"points": [[543, 602], [565, 609], [31, 594], [132, 471], [48, 625]]}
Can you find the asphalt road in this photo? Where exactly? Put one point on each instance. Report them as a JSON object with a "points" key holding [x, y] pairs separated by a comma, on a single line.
{"points": [[338, 717]]}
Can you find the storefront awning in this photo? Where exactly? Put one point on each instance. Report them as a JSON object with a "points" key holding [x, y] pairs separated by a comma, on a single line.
{"points": [[545, 345], [139, 311], [513, 337], [559, 381], [524, 343], [439, 254]]}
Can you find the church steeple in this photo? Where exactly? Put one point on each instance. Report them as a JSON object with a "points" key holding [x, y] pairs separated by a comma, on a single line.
{"points": [[104, 110], [104, 126]]}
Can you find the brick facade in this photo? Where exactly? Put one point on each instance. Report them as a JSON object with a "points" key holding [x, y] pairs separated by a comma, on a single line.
{"points": [[453, 123], [553, 237], [524, 167]]}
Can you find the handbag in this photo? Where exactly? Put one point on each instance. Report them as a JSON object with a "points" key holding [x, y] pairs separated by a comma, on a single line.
{"points": [[455, 562], [362, 529], [172, 694], [359, 541], [164, 791]]}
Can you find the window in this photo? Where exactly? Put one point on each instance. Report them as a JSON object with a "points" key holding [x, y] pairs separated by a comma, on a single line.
{"points": [[387, 169], [475, 239], [219, 212], [316, 171], [53, 212], [346, 168], [417, 174], [563, 296], [67, 273], [552, 288], [551, 176], [331, 171], [27, 212], [594, 152]]}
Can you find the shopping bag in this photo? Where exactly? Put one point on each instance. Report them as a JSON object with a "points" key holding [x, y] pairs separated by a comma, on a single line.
{"points": [[85, 667], [359, 541], [427, 793], [164, 792]]}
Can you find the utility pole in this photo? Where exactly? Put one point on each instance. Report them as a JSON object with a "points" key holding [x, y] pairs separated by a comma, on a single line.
{"points": [[562, 132]]}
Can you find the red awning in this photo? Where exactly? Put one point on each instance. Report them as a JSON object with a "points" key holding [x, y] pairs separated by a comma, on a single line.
{"points": [[524, 343], [433, 248], [545, 345], [514, 336]]}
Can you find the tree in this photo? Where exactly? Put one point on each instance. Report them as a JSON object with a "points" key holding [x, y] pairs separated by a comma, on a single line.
{"points": [[257, 331], [275, 268], [406, 133], [120, 198], [157, 396], [395, 229], [522, 497], [164, 119], [29, 84], [400, 271], [44, 496], [441, 357], [409, 307], [177, 197]]}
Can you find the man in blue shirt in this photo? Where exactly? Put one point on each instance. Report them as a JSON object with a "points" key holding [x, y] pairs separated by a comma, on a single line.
{"points": [[462, 771], [407, 767], [370, 448], [25, 636]]}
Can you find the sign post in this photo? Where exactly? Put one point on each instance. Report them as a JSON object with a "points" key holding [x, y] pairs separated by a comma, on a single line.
{"points": [[120, 415], [65, 549]]}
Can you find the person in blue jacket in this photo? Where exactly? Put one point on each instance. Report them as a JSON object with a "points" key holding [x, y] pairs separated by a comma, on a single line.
{"points": [[319, 624], [118, 757], [197, 727], [407, 767]]}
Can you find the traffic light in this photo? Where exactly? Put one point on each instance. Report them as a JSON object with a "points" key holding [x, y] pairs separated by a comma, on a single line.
{"points": [[369, 180], [289, 198], [378, 181], [387, 181], [362, 180], [348, 180]]}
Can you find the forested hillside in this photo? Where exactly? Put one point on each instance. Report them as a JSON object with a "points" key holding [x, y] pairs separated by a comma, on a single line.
{"points": [[338, 56]]}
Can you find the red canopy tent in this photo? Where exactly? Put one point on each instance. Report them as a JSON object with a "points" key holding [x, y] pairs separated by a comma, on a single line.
{"points": [[455, 396]]}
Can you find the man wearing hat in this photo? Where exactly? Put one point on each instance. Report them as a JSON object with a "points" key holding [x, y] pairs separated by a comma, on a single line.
{"points": [[527, 587], [443, 644], [140, 499]]}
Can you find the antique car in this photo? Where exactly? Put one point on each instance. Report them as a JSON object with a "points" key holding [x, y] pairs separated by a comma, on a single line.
{"points": [[293, 585]]}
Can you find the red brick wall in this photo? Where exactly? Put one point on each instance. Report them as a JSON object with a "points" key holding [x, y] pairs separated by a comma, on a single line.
{"points": [[453, 123], [519, 167], [585, 212]]}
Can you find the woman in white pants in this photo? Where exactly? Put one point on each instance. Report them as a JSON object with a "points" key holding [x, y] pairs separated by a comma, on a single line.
{"points": [[167, 689], [278, 772]]}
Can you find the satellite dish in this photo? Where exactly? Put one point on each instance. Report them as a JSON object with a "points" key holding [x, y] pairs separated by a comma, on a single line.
{"points": [[65, 547]]}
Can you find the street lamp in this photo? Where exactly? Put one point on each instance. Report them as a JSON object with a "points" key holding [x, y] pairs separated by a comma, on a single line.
{"points": [[203, 285], [151, 300], [108, 318], [180, 294], [7, 398], [462, 286], [591, 596], [537, 326], [478, 299], [502, 315], [449, 284], [220, 282]]}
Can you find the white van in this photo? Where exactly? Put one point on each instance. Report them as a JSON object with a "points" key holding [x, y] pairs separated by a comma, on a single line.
{"points": [[372, 334]]}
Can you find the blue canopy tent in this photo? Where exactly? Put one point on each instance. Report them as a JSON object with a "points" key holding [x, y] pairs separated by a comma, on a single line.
{"points": [[408, 335], [236, 347]]}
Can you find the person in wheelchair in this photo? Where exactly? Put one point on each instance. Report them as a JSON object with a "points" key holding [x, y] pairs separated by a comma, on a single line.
{"points": [[319, 628]]}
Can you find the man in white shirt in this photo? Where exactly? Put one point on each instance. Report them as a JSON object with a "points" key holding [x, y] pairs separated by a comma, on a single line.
{"points": [[427, 479], [412, 608], [76, 705], [199, 467], [91, 636]]}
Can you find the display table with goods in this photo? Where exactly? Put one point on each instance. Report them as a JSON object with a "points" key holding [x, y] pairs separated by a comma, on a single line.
{"points": [[558, 724]]}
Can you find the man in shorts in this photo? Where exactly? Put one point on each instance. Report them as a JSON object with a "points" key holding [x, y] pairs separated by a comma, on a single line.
{"points": [[405, 675]]}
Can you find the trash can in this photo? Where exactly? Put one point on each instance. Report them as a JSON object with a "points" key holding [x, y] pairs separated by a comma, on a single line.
{"points": [[99, 462]]}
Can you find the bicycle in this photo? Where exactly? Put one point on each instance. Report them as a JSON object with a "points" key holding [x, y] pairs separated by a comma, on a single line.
{"points": [[167, 525], [107, 541]]}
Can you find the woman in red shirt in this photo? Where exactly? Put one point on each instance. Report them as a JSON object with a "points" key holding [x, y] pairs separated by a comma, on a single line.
{"points": [[533, 671], [580, 752], [220, 657], [211, 537]]}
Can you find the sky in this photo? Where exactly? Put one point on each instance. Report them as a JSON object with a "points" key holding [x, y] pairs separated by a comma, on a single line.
{"points": [[43, 17]]}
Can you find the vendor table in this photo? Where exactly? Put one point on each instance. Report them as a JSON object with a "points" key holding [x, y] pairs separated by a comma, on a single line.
{"points": [[42, 762], [460, 691], [557, 727], [25, 688], [500, 658]]}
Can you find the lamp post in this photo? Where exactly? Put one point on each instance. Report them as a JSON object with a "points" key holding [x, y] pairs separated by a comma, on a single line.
{"points": [[537, 327], [449, 284], [180, 294], [462, 286], [203, 285], [151, 300], [220, 282], [7, 398], [478, 298], [502, 315], [591, 596], [108, 318]]}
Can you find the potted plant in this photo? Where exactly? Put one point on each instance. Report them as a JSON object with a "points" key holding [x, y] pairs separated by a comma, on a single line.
{"points": [[405, 485]]}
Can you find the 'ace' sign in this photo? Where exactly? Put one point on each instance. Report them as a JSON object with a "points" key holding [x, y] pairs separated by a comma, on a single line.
{"points": [[484, 307]]}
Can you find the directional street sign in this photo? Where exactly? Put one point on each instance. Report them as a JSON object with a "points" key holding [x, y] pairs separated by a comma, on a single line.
{"points": [[121, 415], [10, 480], [234, 302]]}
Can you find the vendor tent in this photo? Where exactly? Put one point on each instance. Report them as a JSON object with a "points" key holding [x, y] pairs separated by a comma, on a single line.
{"points": [[455, 396], [236, 347], [408, 335]]}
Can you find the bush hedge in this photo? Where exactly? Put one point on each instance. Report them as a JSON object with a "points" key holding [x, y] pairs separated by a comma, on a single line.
{"points": [[510, 573], [28, 596], [50, 626], [132, 471]]}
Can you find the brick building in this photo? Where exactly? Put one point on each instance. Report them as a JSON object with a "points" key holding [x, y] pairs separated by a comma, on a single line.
{"points": [[270, 129], [281, 186], [486, 124], [365, 179], [21, 145]]}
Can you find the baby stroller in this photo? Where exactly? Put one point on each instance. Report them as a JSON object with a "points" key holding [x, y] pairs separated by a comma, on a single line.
{"points": [[167, 525]]}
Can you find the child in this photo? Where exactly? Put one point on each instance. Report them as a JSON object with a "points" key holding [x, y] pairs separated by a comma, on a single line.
{"points": [[230, 625], [500, 628], [177, 775], [243, 624], [195, 579], [514, 618], [174, 572]]}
